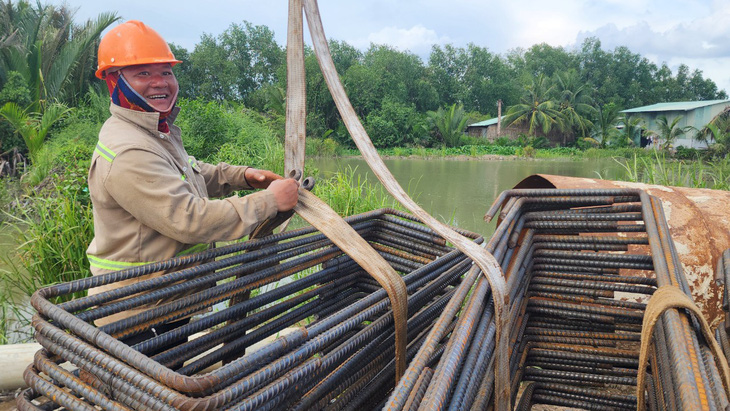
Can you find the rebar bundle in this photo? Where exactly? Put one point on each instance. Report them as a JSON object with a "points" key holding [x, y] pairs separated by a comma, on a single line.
{"points": [[722, 276], [580, 265], [340, 327]]}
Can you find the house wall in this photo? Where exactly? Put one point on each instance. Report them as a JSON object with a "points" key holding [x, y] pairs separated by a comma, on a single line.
{"points": [[512, 132], [696, 118]]}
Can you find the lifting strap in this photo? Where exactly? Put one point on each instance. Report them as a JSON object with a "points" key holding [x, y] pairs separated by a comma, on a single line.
{"points": [[318, 213], [295, 149], [664, 298]]}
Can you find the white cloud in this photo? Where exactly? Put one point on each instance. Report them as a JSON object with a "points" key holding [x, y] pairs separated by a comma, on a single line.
{"points": [[417, 39], [701, 39]]}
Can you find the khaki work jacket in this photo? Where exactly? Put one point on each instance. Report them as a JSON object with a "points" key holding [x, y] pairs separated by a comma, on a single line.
{"points": [[151, 200]]}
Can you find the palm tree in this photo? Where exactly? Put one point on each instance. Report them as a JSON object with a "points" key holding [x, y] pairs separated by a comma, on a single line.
{"points": [[669, 131], [48, 49], [575, 103], [537, 108], [629, 128], [33, 126], [604, 127], [449, 123], [717, 134]]}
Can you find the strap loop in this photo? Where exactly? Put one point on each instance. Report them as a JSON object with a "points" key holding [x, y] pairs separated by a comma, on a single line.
{"points": [[668, 297]]}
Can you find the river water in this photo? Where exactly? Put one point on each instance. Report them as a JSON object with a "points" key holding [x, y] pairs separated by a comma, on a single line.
{"points": [[459, 191]]}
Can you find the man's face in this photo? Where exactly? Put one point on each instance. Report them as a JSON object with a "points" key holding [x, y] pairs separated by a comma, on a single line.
{"points": [[155, 82]]}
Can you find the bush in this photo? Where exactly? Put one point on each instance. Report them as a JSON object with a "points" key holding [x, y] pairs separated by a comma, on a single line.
{"points": [[205, 126], [322, 147], [685, 153], [255, 145], [15, 91], [506, 142], [394, 124], [349, 193], [53, 234]]}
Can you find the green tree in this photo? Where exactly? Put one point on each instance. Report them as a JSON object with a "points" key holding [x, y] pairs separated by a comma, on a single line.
{"points": [[449, 124], [604, 129], [716, 134], [488, 79], [235, 64], [447, 69], [537, 108], [51, 52], [547, 60], [33, 126], [574, 104], [630, 129], [14, 91], [389, 73], [669, 131], [394, 124]]}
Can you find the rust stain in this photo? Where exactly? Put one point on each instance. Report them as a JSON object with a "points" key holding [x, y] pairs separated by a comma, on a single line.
{"points": [[699, 223]]}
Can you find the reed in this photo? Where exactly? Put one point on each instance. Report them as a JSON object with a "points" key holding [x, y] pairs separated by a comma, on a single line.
{"points": [[661, 170], [349, 192]]}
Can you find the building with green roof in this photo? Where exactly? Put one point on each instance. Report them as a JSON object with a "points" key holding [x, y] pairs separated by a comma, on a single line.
{"points": [[693, 113]]}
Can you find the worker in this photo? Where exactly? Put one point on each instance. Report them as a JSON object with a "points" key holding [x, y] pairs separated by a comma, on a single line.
{"points": [[150, 198]]}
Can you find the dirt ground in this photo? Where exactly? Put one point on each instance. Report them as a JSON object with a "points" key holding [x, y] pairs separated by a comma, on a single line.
{"points": [[7, 400]]}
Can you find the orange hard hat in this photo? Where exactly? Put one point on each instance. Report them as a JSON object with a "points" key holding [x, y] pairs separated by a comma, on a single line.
{"points": [[132, 43]]}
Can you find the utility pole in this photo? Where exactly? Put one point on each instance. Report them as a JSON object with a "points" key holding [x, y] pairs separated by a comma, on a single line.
{"points": [[499, 118]]}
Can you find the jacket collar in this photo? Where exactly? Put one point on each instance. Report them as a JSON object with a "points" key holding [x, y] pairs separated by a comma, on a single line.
{"points": [[146, 120]]}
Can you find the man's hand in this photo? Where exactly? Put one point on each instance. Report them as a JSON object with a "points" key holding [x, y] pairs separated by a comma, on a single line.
{"points": [[260, 178], [286, 192]]}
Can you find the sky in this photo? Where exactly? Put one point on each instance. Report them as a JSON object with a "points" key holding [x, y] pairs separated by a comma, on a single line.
{"points": [[691, 32]]}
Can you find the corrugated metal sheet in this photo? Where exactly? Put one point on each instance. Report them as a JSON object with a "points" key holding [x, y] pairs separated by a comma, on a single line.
{"points": [[676, 106], [484, 123]]}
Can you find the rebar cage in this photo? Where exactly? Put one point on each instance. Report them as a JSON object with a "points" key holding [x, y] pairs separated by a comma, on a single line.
{"points": [[336, 327], [580, 267]]}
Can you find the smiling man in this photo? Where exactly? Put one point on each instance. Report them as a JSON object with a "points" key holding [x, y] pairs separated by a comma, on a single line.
{"points": [[150, 199]]}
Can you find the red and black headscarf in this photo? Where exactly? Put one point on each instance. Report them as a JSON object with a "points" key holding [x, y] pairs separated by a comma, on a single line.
{"points": [[124, 95]]}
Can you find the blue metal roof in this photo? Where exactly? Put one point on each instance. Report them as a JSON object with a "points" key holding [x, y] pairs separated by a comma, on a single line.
{"points": [[676, 106], [484, 123]]}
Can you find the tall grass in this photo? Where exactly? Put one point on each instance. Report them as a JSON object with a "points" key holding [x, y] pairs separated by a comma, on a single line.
{"points": [[348, 193], [53, 234], [658, 169]]}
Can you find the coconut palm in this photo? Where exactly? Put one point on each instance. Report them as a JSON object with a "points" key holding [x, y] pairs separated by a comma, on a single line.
{"points": [[575, 103], [604, 129], [717, 134], [629, 128], [33, 126], [50, 51], [449, 123], [537, 109], [669, 132]]}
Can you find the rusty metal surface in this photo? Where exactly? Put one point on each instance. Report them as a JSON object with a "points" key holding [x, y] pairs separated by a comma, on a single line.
{"points": [[699, 224]]}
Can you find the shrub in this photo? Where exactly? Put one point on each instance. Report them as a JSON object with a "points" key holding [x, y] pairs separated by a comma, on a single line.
{"points": [[254, 145], [394, 124], [322, 147], [205, 126], [685, 153], [348, 193], [15, 91]]}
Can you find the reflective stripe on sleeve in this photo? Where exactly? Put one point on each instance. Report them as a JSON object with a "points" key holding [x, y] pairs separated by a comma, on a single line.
{"points": [[194, 249], [104, 152], [111, 265]]}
